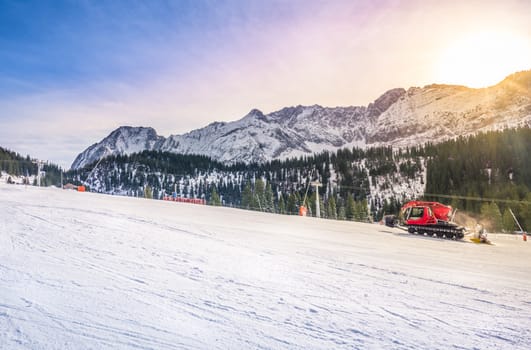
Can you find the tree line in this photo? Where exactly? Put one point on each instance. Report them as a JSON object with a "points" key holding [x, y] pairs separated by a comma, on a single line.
{"points": [[484, 175], [16, 165]]}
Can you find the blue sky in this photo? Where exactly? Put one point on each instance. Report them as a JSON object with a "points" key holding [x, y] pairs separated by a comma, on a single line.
{"points": [[72, 71], [61, 44]]}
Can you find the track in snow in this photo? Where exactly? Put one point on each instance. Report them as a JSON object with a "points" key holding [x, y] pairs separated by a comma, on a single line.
{"points": [[81, 271]]}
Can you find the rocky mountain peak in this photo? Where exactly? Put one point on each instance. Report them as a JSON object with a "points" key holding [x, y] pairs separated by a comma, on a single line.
{"points": [[397, 118], [256, 114], [123, 140], [132, 130], [382, 103]]}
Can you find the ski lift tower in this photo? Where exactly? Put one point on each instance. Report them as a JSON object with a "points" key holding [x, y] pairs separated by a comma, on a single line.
{"points": [[524, 235], [317, 184], [39, 163]]}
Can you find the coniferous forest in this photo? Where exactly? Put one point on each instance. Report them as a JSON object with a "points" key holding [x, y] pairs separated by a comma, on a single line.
{"points": [[486, 175], [16, 165]]}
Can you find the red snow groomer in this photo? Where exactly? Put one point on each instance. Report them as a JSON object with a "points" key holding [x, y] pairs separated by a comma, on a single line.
{"points": [[426, 218]]}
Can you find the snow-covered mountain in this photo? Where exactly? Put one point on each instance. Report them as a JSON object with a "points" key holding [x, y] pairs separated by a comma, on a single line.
{"points": [[440, 112], [398, 118], [124, 140]]}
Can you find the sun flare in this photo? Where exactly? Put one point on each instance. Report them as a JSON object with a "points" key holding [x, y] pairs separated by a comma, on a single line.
{"points": [[483, 59]]}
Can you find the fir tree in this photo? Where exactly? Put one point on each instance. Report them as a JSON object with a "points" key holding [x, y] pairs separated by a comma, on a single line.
{"points": [[214, 197], [341, 214], [281, 205], [247, 196], [323, 210], [485, 211], [496, 217], [259, 195], [148, 192], [525, 213], [292, 204], [331, 210], [268, 199], [360, 210], [311, 204], [350, 210]]}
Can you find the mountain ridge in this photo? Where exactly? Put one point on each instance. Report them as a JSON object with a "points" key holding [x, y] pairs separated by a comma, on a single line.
{"points": [[397, 118]]}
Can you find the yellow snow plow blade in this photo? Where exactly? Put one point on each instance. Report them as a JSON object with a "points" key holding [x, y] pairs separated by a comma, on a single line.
{"points": [[478, 240]]}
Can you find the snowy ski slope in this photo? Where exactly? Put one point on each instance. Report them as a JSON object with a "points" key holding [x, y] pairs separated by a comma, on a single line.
{"points": [[88, 271]]}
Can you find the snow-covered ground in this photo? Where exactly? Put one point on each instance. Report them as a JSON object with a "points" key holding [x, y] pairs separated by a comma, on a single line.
{"points": [[88, 271], [4, 178]]}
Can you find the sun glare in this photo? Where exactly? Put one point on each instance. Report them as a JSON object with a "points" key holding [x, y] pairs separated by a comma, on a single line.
{"points": [[483, 59]]}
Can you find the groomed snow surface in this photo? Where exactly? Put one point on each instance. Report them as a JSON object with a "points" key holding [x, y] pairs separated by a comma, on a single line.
{"points": [[88, 271]]}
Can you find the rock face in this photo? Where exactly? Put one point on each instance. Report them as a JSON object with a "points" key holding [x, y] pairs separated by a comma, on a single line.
{"points": [[124, 140], [398, 118]]}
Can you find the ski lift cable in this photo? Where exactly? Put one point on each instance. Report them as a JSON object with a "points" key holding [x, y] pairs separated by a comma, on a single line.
{"points": [[354, 187], [308, 187], [107, 149], [514, 217], [481, 199]]}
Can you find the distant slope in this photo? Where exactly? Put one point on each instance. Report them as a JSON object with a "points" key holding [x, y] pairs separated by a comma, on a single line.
{"points": [[398, 118]]}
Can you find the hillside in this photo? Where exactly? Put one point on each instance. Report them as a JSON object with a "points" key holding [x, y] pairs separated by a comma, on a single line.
{"points": [[489, 168], [115, 272]]}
